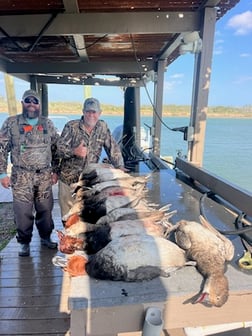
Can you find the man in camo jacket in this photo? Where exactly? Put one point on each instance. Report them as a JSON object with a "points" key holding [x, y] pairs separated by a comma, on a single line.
{"points": [[31, 141], [81, 143]]}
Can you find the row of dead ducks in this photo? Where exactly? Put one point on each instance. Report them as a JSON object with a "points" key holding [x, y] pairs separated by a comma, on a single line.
{"points": [[126, 238]]}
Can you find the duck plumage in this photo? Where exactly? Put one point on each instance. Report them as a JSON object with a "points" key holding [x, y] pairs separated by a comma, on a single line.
{"points": [[96, 237], [136, 258], [210, 250]]}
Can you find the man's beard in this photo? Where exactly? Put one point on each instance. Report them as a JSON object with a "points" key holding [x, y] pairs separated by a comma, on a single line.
{"points": [[90, 124], [31, 114]]}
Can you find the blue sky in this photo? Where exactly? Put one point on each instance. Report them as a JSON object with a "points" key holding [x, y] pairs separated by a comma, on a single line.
{"points": [[231, 77]]}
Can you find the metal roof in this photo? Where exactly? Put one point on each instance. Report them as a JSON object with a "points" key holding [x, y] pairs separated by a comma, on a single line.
{"points": [[74, 41]]}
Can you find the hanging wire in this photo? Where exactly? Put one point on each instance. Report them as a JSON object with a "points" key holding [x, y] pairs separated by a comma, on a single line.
{"points": [[144, 84], [89, 46], [181, 129]]}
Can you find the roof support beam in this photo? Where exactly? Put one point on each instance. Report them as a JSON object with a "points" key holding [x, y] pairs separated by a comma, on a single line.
{"points": [[111, 23], [110, 68], [2, 65], [91, 81], [158, 105], [203, 64], [71, 6], [169, 49]]}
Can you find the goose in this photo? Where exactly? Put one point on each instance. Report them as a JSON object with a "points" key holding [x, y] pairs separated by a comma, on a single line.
{"points": [[210, 249]]}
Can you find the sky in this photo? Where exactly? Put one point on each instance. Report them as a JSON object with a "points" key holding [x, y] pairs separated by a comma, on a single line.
{"points": [[231, 76]]}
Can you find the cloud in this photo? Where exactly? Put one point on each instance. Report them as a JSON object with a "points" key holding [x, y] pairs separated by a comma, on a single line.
{"points": [[245, 55], [241, 23], [177, 75], [243, 80], [218, 47], [173, 82], [169, 86], [218, 33], [172, 85]]}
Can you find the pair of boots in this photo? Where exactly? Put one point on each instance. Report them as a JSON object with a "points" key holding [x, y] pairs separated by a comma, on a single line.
{"points": [[25, 248]]}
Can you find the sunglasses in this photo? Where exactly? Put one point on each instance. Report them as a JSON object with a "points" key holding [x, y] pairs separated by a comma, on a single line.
{"points": [[33, 100]]}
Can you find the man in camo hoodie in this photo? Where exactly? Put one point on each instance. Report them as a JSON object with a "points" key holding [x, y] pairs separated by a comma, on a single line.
{"points": [[31, 141], [81, 143]]}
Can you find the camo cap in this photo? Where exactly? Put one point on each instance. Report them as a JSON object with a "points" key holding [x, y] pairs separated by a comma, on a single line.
{"points": [[92, 104], [31, 93]]}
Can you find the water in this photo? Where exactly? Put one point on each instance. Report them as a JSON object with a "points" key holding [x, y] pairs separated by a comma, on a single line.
{"points": [[228, 144]]}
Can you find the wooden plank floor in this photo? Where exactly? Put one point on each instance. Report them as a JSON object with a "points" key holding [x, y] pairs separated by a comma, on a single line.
{"points": [[33, 292]]}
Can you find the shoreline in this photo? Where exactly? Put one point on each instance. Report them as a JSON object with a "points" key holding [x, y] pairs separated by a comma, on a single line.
{"points": [[175, 115], [178, 111]]}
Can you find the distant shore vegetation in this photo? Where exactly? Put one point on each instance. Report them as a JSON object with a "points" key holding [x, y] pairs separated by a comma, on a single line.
{"points": [[68, 108]]}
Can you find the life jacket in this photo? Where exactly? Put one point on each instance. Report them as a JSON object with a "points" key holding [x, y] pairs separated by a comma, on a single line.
{"points": [[33, 147]]}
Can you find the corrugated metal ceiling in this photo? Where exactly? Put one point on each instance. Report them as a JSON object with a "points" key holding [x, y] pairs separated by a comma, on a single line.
{"points": [[85, 38]]}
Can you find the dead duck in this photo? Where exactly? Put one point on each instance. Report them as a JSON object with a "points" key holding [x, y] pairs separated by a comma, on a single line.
{"points": [[109, 188], [136, 258], [210, 249], [139, 212], [94, 237], [91, 210], [124, 227], [97, 173], [68, 244]]}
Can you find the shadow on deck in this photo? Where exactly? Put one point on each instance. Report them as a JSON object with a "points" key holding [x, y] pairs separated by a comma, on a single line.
{"points": [[33, 292]]}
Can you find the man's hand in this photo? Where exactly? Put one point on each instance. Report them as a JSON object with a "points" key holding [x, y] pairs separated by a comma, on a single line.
{"points": [[54, 178], [5, 182], [81, 150]]}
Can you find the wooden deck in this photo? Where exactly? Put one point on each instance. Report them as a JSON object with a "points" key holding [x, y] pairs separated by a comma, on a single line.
{"points": [[33, 292]]}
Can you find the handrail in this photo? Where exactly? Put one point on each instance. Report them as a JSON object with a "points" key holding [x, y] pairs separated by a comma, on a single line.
{"points": [[238, 197]]}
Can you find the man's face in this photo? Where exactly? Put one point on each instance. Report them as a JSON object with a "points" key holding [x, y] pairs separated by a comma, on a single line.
{"points": [[91, 117], [31, 107]]}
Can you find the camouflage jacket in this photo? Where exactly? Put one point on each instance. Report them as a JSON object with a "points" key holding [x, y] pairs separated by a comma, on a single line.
{"points": [[71, 137], [31, 147]]}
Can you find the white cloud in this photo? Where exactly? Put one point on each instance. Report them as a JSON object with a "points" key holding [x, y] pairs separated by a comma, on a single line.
{"points": [[171, 85], [174, 81], [177, 75], [219, 41], [168, 86], [218, 47], [243, 79], [241, 23], [218, 51], [245, 55], [218, 33]]}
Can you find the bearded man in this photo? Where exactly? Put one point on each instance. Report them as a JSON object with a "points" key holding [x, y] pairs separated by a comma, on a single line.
{"points": [[31, 140]]}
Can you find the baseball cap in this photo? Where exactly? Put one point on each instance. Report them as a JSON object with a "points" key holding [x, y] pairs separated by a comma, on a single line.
{"points": [[92, 104], [30, 93]]}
